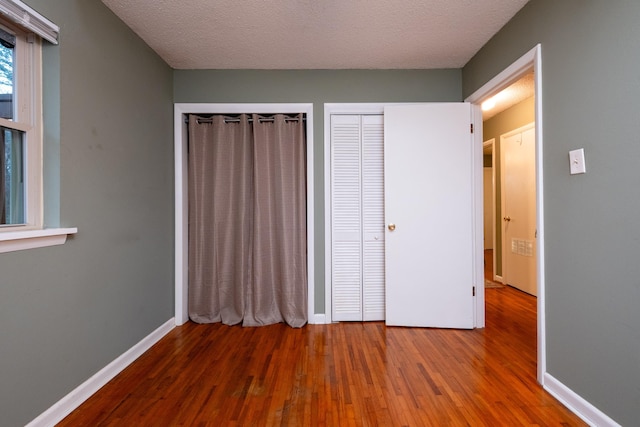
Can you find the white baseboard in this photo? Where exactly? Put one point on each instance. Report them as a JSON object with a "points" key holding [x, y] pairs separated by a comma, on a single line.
{"points": [[585, 410], [71, 401], [318, 319], [498, 279]]}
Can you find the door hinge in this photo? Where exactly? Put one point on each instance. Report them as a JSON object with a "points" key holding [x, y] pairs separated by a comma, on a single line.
{"points": [[474, 291], [471, 127]]}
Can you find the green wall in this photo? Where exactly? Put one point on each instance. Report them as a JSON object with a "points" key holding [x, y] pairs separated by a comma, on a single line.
{"points": [[317, 87], [67, 311], [590, 99], [512, 118]]}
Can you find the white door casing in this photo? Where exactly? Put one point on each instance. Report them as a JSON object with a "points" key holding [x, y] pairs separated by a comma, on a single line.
{"points": [[523, 65], [429, 199]]}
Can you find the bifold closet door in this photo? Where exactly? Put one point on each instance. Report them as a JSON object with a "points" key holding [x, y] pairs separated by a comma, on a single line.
{"points": [[357, 217]]}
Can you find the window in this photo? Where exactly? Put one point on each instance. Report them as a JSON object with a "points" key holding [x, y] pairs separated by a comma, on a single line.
{"points": [[20, 129], [21, 200]]}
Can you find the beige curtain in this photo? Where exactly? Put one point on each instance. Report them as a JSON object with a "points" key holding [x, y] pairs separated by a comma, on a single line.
{"points": [[247, 220]]}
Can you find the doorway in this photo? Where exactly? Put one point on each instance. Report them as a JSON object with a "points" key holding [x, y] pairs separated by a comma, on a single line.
{"points": [[181, 194], [529, 62], [247, 219]]}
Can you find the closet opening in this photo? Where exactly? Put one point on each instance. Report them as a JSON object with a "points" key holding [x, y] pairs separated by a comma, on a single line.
{"points": [[253, 198]]}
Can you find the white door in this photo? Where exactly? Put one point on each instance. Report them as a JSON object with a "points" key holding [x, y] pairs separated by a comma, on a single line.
{"points": [[357, 217], [429, 215], [519, 209]]}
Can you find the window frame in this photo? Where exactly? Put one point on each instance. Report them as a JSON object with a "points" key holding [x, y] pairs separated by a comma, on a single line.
{"points": [[27, 100]]}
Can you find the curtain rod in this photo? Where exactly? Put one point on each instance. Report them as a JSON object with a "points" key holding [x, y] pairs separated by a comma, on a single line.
{"points": [[232, 120]]}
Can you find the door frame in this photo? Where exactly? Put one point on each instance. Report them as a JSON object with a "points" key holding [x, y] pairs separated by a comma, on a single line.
{"points": [[478, 254], [530, 60], [181, 195]]}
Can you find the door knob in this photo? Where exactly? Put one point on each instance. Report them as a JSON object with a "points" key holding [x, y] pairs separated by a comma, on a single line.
{"points": [[391, 227], [507, 218]]}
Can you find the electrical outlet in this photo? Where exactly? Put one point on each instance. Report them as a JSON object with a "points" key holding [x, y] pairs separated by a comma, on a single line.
{"points": [[576, 161]]}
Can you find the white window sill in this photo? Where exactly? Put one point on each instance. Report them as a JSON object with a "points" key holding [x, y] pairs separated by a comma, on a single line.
{"points": [[19, 240]]}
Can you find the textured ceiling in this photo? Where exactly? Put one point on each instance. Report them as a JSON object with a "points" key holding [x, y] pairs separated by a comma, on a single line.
{"points": [[512, 95], [315, 34]]}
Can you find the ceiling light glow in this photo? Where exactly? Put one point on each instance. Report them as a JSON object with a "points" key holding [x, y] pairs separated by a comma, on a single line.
{"points": [[488, 104]]}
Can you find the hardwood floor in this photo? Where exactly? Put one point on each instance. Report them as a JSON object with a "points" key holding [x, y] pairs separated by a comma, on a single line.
{"points": [[346, 374]]}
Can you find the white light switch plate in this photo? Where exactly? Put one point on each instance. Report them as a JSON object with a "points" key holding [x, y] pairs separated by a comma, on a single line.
{"points": [[576, 161]]}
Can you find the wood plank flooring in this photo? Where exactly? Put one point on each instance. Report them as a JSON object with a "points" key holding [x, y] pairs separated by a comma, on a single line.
{"points": [[346, 374]]}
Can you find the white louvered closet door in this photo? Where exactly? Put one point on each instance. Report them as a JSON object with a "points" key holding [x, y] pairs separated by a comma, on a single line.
{"points": [[373, 293], [357, 217]]}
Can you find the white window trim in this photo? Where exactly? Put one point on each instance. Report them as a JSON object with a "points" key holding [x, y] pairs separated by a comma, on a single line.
{"points": [[19, 240], [28, 73]]}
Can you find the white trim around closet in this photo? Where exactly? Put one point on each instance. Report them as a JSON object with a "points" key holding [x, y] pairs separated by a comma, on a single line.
{"points": [[181, 194]]}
